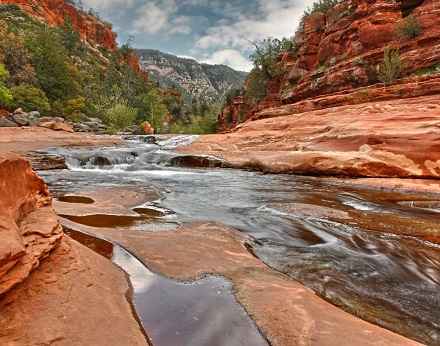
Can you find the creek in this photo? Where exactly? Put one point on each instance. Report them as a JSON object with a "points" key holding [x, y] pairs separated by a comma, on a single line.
{"points": [[355, 247]]}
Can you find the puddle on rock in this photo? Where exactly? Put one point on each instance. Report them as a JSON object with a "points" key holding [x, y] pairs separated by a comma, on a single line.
{"points": [[76, 199], [104, 220], [203, 312], [149, 212]]}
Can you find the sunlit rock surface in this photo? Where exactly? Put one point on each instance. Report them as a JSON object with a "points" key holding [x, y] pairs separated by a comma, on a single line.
{"points": [[378, 139], [29, 227], [56, 12], [51, 288]]}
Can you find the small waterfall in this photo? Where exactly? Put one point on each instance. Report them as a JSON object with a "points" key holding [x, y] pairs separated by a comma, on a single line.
{"points": [[172, 143], [140, 153], [110, 161]]}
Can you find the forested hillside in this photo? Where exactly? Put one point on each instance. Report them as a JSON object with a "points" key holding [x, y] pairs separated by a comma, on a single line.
{"points": [[60, 72], [193, 79]]}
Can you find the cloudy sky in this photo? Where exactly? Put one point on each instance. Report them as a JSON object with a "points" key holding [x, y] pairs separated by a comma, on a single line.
{"points": [[211, 31]]}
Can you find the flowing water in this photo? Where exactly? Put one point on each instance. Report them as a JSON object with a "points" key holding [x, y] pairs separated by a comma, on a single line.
{"points": [[323, 235]]}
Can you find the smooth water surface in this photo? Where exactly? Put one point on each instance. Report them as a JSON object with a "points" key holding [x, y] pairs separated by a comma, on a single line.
{"points": [[198, 313], [388, 279]]}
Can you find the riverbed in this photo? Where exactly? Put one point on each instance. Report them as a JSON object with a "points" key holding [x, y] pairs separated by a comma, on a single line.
{"points": [[371, 252]]}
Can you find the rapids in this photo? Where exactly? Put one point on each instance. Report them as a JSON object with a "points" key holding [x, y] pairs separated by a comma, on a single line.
{"points": [[355, 247]]}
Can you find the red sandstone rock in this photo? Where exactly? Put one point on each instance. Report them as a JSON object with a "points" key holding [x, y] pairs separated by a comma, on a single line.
{"points": [[75, 297], [377, 139], [60, 126], [29, 228], [56, 126], [55, 12], [348, 50], [146, 128]]}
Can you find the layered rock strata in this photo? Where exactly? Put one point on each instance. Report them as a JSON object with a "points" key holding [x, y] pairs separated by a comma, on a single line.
{"points": [[56, 12], [339, 54], [396, 138], [29, 227]]}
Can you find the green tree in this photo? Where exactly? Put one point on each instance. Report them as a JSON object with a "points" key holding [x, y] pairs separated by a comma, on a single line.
{"points": [[265, 52], [71, 39], [257, 86], [16, 57], [5, 95], [120, 116], [390, 67], [57, 75], [30, 98], [151, 108]]}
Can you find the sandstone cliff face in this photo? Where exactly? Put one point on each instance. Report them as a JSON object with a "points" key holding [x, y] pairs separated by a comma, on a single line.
{"points": [[29, 227], [394, 138], [340, 52], [55, 12]]}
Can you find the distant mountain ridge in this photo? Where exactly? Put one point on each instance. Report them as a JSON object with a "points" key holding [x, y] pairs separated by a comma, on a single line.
{"points": [[191, 78]]}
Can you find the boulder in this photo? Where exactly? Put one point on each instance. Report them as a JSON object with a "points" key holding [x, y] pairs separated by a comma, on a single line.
{"points": [[84, 117], [21, 119], [7, 123], [96, 120], [81, 127], [93, 125], [46, 119], [146, 128], [33, 120], [18, 111], [45, 123], [34, 114], [3, 113], [60, 126], [133, 130]]}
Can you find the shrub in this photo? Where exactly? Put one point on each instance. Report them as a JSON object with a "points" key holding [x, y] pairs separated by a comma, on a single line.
{"points": [[120, 116], [257, 86], [30, 98], [427, 71], [358, 62], [5, 95], [361, 96], [319, 6], [409, 29], [391, 66], [265, 52]]}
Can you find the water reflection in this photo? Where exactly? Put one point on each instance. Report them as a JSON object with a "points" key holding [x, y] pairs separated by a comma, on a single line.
{"points": [[345, 250], [199, 313]]}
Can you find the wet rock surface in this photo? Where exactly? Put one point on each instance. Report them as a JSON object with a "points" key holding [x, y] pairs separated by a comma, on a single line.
{"points": [[285, 311], [52, 289], [76, 297], [381, 139]]}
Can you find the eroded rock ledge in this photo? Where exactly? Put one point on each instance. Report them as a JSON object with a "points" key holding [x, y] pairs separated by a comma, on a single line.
{"points": [[75, 296], [29, 227]]}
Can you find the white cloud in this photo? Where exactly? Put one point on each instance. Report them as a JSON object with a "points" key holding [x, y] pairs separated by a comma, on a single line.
{"points": [[183, 29], [213, 29], [230, 57], [195, 2], [151, 18], [108, 7], [277, 18]]}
